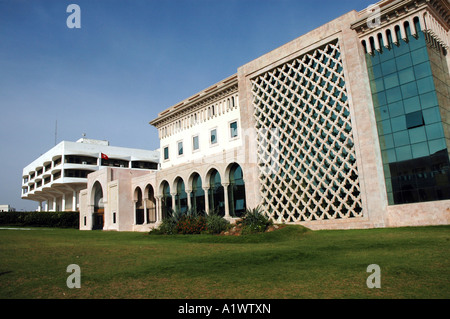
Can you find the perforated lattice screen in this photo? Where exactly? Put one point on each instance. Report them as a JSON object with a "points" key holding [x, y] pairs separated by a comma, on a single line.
{"points": [[305, 145]]}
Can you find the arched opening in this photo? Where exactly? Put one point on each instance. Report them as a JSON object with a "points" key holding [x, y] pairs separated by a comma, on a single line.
{"points": [[98, 217], [180, 197], [198, 194], [151, 204], [236, 191], [139, 210], [216, 194], [166, 201]]}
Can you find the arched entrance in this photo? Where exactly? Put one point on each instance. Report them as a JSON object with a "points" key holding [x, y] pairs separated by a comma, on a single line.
{"points": [[236, 191], [166, 200], [180, 197], [98, 216], [151, 204], [139, 207], [198, 194], [216, 194]]}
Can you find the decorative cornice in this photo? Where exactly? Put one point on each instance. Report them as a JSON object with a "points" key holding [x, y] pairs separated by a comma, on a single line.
{"points": [[394, 15], [394, 10], [209, 95]]}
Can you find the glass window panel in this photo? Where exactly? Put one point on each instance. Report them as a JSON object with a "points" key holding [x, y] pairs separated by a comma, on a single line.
{"points": [[213, 136], [379, 98], [391, 81], [403, 153], [393, 95], [420, 150], [387, 54], [387, 171], [401, 49], [431, 115], [419, 56], [437, 145], [425, 85], [422, 70], [389, 140], [166, 153], [434, 131], [414, 43], [409, 89], [403, 61], [233, 129], [384, 112], [417, 135], [412, 104], [414, 119], [378, 85], [386, 127], [377, 71], [396, 109], [384, 156], [391, 198], [398, 123], [180, 148], [406, 75], [401, 138], [428, 100], [375, 59], [195, 143], [392, 158], [388, 67]]}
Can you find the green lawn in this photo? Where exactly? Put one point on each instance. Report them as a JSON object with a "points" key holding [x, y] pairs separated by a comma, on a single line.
{"points": [[289, 263]]}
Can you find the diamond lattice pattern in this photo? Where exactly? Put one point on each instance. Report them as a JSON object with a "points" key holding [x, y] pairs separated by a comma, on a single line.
{"points": [[306, 152]]}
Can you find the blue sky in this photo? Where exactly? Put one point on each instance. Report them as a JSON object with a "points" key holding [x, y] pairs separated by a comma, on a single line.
{"points": [[129, 61]]}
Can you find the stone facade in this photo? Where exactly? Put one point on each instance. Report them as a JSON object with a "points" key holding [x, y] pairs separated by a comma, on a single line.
{"points": [[298, 132]]}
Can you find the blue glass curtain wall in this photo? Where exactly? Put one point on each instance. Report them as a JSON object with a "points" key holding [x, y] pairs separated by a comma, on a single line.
{"points": [[410, 129]]}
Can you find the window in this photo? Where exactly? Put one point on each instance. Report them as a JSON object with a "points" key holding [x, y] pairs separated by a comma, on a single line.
{"points": [[180, 148], [233, 129], [166, 153], [114, 217], [195, 144], [414, 119], [213, 139]]}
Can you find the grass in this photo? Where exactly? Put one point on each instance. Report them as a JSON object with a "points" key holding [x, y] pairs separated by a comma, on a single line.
{"points": [[292, 263]]}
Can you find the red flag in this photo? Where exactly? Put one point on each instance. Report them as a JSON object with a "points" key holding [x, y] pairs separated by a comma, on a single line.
{"points": [[105, 157]]}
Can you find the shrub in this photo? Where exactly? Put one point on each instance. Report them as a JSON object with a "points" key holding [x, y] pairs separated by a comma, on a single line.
{"points": [[41, 219], [215, 224], [192, 222], [254, 221]]}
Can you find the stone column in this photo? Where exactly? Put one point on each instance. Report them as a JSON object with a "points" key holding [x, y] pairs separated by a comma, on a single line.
{"points": [[145, 211], [206, 190], [188, 193], [225, 198], [134, 212], [174, 202], [158, 210], [74, 201], [63, 202]]}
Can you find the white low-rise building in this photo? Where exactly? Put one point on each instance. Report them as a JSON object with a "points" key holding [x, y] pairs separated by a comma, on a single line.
{"points": [[6, 208], [55, 178]]}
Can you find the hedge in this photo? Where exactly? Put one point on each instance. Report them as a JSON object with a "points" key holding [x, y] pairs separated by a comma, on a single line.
{"points": [[41, 219]]}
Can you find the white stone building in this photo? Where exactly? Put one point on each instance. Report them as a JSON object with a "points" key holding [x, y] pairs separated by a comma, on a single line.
{"points": [[347, 126], [7, 208], [55, 178]]}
